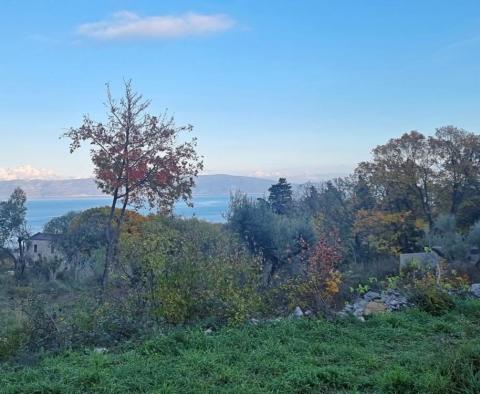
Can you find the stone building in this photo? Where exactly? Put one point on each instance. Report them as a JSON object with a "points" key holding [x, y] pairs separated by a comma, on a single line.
{"points": [[41, 246]]}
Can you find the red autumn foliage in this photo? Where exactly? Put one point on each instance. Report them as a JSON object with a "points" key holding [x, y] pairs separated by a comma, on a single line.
{"points": [[137, 159]]}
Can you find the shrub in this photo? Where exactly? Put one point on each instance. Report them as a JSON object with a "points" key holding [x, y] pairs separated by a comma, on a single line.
{"points": [[316, 287], [49, 326], [10, 342], [433, 300], [188, 270], [323, 278], [41, 326], [444, 234], [224, 288]]}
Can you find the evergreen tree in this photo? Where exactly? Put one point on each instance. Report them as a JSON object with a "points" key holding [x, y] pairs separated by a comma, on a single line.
{"points": [[280, 197]]}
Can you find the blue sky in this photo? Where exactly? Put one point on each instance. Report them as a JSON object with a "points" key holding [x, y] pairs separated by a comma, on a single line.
{"points": [[298, 88]]}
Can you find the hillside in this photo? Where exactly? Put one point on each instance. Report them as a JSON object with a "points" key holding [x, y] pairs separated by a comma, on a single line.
{"points": [[76, 188], [38, 189], [404, 352]]}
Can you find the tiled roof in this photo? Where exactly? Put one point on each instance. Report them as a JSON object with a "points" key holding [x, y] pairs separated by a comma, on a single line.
{"points": [[44, 237]]}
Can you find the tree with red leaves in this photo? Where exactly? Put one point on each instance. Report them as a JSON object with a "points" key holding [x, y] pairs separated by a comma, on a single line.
{"points": [[323, 276], [137, 160]]}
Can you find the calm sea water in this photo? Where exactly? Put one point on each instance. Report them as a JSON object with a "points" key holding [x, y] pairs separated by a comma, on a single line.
{"points": [[39, 212]]}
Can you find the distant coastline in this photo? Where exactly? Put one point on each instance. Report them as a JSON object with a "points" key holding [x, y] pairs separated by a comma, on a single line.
{"points": [[206, 185]]}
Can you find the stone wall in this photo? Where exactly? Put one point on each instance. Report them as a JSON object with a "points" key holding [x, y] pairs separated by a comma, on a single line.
{"points": [[43, 250]]}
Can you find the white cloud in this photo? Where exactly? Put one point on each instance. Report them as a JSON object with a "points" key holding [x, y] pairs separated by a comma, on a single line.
{"points": [[128, 25], [26, 172], [298, 176], [265, 174]]}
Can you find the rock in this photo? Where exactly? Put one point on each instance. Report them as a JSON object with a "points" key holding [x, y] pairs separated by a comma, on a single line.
{"points": [[208, 331], [100, 350], [374, 307], [347, 310], [394, 300], [475, 289], [308, 312], [357, 307], [298, 312], [358, 314], [371, 295], [360, 303]]}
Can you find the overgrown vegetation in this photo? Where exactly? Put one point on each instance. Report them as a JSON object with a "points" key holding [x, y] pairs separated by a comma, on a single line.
{"points": [[110, 277], [405, 352]]}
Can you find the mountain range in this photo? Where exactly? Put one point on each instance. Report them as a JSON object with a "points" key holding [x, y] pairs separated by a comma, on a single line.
{"points": [[206, 185]]}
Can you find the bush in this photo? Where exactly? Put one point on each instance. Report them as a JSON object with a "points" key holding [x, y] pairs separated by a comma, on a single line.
{"points": [[432, 300], [321, 280], [52, 328], [11, 342], [188, 270], [170, 270], [444, 234]]}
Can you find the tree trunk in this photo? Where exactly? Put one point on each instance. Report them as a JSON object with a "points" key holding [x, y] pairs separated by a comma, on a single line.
{"points": [[113, 234], [109, 255], [20, 264], [456, 198]]}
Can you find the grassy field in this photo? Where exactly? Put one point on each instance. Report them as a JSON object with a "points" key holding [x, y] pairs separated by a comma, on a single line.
{"points": [[402, 352]]}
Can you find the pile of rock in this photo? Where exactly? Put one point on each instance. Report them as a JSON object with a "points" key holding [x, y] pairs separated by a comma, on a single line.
{"points": [[373, 302]]}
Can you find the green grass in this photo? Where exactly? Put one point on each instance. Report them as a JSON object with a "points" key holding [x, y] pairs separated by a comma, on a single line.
{"points": [[407, 352]]}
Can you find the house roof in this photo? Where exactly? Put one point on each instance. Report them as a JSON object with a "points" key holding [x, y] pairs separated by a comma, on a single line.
{"points": [[44, 237]]}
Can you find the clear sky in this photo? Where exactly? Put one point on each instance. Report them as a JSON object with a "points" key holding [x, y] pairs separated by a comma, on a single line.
{"points": [[272, 87]]}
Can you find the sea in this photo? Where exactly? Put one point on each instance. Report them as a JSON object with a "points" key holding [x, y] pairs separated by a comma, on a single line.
{"points": [[39, 212]]}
